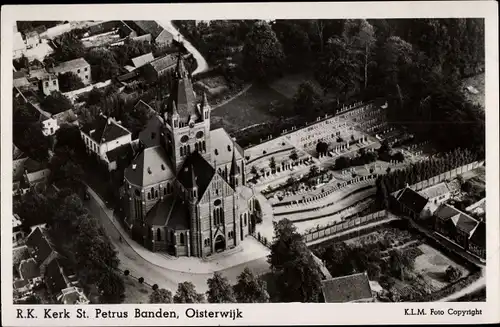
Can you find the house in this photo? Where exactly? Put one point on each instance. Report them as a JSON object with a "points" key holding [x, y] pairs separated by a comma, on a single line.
{"points": [[477, 242], [49, 83], [103, 136], [478, 208], [79, 66], [121, 154], [49, 126], [41, 247], [20, 79], [412, 203], [72, 295], [18, 233], [29, 270], [142, 60], [435, 195], [67, 117], [142, 38], [124, 30], [19, 47], [32, 39], [353, 288], [159, 35], [18, 161], [160, 67], [35, 173], [455, 224]]}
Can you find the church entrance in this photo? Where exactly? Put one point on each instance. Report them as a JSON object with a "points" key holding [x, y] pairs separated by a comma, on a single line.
{"points": [[220, 243]]}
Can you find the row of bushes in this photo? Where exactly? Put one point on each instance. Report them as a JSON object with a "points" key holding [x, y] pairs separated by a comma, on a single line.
{"points": [[452, 288]]}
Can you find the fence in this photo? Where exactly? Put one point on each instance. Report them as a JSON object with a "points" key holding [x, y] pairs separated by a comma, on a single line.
{"points": [[345, 225], [444, 176]]}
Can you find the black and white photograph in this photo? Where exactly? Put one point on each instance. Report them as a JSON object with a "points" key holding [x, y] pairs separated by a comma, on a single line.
{"points": [[235, 161]]}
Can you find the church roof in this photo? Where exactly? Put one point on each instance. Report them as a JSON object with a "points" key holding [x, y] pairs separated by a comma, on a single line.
{"points": [[150, 136], [222, 147], [171, 212], [197, 168], [182, 95], [149, 167]]}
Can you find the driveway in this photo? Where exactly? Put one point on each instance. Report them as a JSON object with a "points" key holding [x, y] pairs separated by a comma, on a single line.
{"points": [[202, 63]]}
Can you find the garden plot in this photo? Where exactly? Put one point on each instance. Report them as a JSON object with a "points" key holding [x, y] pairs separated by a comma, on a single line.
{"points": [[432, 265]]}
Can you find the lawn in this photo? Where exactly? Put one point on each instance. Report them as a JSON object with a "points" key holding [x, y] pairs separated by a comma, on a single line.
{"points": [[432, 264], [289, 84], [135, 292], [252, 108]]}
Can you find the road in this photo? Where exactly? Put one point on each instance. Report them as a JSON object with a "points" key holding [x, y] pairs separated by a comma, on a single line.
{"points": [[202, 64], [153, 274]]}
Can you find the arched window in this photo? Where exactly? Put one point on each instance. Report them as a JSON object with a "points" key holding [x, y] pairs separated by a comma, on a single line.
{"points": [[156, 193], [152, 192], [172, 237], [182, 151], [149, 196], [196, 146], [158, 235], [188, 148], [165, 191], [245, 219], [181, 239]]}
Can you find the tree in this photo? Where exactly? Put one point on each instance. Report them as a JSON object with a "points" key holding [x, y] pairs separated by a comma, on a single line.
{"points": [[254, 171], [69, 47], [262, 52], [186, 293], [313, 171], [272, 163], [56, 102], [296, 43], [160, 296], [360, 35], [111, 287], [453, 274], [399, 262], [103, 64], [342, 163], [297, 275], [322, 148], [293, 155], [219, 290], [306, 99], [69, 81], [250, 288], [22, 62], [399, 157]]}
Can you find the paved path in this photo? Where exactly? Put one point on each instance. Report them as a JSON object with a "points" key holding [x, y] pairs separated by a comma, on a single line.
{"points": [[202, 64], [162, 270]]}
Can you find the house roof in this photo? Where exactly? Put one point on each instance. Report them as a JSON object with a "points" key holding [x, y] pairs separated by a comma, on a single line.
{"points": [[17, 153], [31, 166], [67, 116], [72, 295], [347, 288], [460, 220], [162, 63], [122, 151], [54, 277], [38, 241], [446, 211], [20, 283], [142, 60], [222, 147], [28, 269], [412, 200], [479, 235], [143, 38], [125, 30], [16, 220], [151, 167], [164, 37], [435, 191], [105, 129], [171, 212], [21, 82], [150, 136], [197, 170], [149, 27], [70, 65]]}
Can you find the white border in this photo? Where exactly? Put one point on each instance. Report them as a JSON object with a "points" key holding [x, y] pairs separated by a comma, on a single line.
{"points": [[270, 314]]}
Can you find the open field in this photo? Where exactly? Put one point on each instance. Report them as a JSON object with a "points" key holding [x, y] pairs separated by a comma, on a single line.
{"points": [[251, 108], [289, 84]]}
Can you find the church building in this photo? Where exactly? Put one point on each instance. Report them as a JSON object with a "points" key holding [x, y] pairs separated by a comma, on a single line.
{"points": [[185, 192]]}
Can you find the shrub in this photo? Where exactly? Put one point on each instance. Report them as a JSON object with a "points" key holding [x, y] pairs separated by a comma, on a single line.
{"points": [[453, 274], [141, 280], [155, 287], [126, 272]]}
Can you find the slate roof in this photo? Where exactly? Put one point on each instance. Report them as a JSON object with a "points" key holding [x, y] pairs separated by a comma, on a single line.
{"points": [[122, 151], [20, 283], [460, 220], [142, 60], [164, 37], [70, 65], [222, 147], [149, 27], [54, 277], [32, 166], [435, 191], [171, 212], [162, 63], [479, 235], [412, 200], [104, 131], [38, 241], [150, 136], [28, 269], [17, 153], [151, 167], [347, 288], [197, 168]]}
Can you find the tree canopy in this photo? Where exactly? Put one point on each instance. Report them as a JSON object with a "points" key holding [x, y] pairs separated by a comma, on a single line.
{"points": [[56, 102], [219, 290], [161, 296], [186, 293], [250, 288], [69, 81]]}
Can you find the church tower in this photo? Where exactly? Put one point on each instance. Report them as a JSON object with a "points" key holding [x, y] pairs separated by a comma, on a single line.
{"points": [[187, 122], [192, 199]]}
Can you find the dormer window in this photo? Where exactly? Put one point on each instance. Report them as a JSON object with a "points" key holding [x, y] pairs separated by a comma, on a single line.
{"points": [[216, 152], [149, 170], [162, 167], [229, 148]]}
